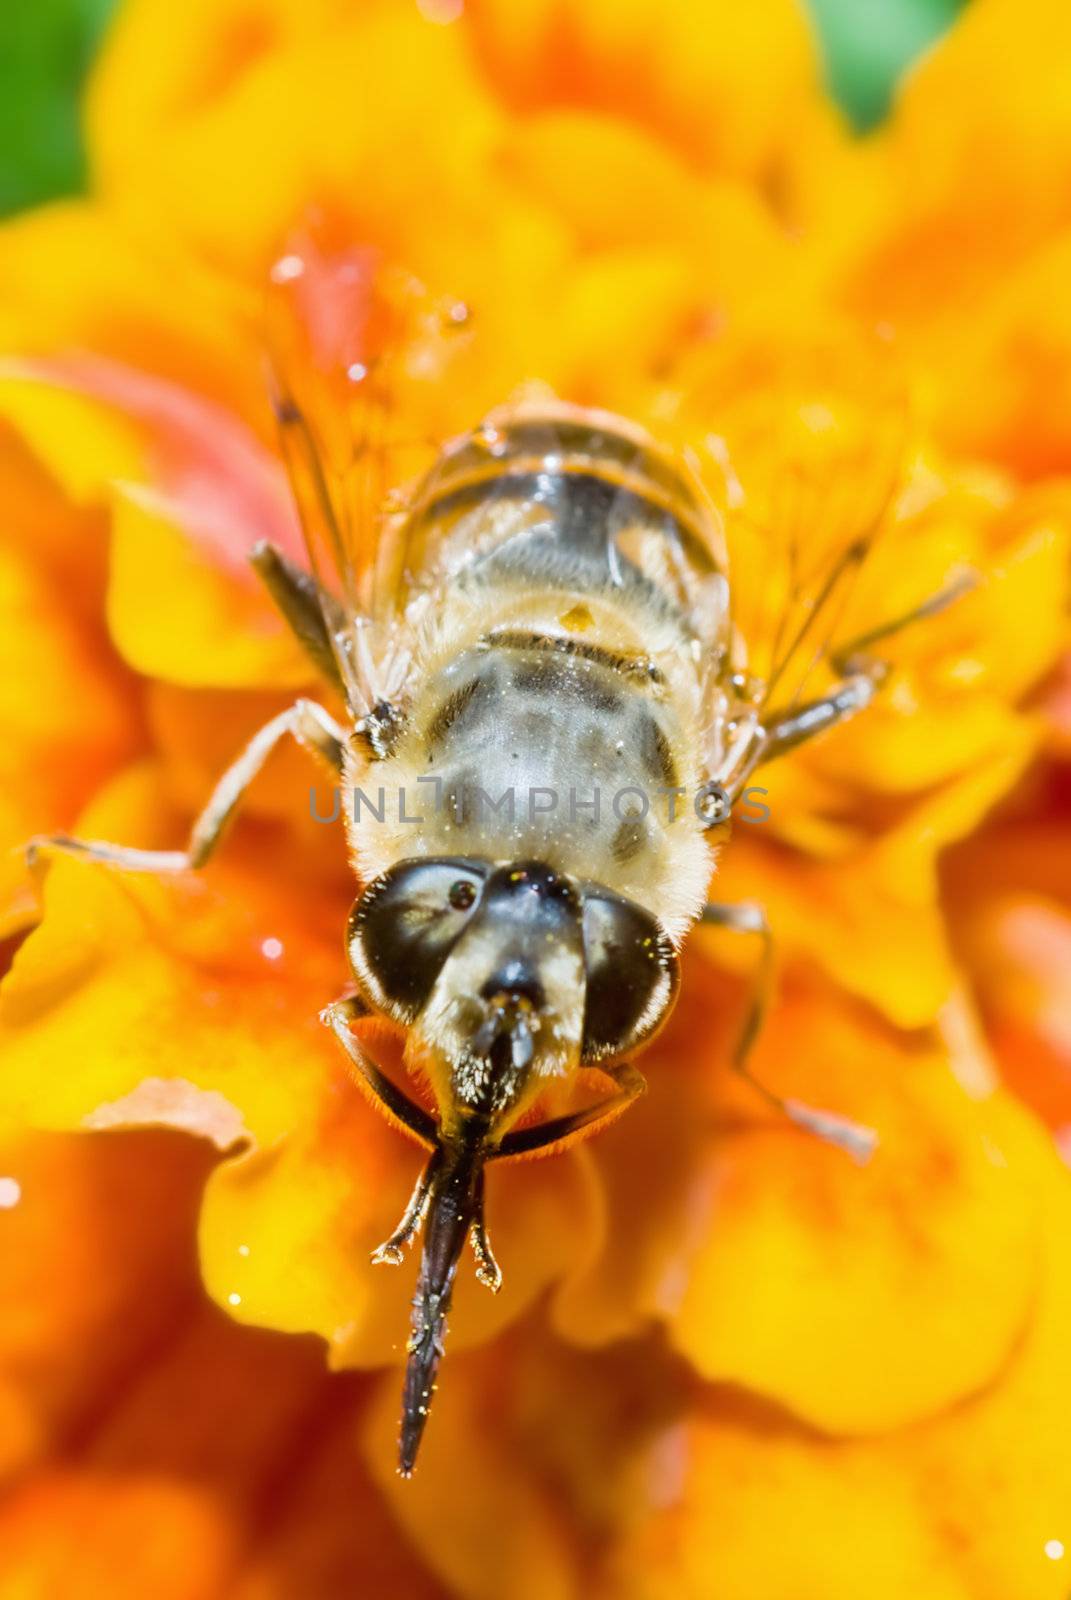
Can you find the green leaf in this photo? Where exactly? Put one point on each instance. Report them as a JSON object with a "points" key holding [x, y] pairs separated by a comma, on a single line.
{"points": [[45, 50], [868, 43]]}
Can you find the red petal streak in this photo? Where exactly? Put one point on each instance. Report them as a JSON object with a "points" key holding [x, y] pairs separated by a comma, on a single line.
{"points": [[209, 472]]}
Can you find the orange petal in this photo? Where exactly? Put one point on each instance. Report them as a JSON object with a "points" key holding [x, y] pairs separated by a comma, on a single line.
{"points": [[198, 733], [201, 1440], [973, 1504], [1008, 395], [287, 1234], [64, 702], [478, 1517], [330, 1532], [640, 1484], [209, 983], [960, 186], [64, 705], [1008, 891], [767, 1251], [130, 1535], [721, 84], [97, 1263]]}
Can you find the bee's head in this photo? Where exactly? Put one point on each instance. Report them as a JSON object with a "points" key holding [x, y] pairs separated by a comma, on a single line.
{"points": [[509, 973]]}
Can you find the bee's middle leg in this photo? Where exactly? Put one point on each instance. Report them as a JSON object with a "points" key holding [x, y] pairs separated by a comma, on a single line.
{"points": [[304, 721], [748, 917], [860, 675], [303, 604], [788, 729], [783, 730]]}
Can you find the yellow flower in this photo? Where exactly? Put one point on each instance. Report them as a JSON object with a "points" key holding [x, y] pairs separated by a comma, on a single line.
{"points": [[725, 1360]]}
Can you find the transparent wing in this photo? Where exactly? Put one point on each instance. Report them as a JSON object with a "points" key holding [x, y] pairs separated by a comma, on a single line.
{"points": [[803, 460], [348, 340]]}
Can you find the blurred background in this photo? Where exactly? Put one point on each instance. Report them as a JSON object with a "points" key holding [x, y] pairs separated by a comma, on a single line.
{"points": [[47, 46]]}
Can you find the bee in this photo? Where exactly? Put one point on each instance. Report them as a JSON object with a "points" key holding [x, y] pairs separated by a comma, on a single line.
{"points": [[550, 715]]}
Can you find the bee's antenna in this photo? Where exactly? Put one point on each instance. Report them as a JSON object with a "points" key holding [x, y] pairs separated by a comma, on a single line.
{"points": [[455, 1205]]}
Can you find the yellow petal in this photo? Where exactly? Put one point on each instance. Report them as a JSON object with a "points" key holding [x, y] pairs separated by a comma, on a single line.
{"points": [[869, 914], [503, 1535], [156, 66], [190, 491], [964, 182], [768, 1252], [74, 279], [175, 615], [617, 186], [84, 447], [287, 1234], [949, 704], [290, 138], [973, 1506], [882, 940], [212, 982], [721, 83]]}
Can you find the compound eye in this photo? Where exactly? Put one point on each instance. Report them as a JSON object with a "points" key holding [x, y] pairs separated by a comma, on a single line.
{"points": [[404, 926], [632, 975]]}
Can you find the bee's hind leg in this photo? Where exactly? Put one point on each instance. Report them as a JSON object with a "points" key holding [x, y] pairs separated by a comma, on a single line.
{"points": [[304, 721], [748, 917]]}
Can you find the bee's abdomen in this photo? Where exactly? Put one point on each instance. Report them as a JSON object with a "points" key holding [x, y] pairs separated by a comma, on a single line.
{"points": [[551, 748]]}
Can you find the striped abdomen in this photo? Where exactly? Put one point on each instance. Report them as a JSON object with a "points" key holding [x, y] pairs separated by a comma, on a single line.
{"points": [[568, 600]]}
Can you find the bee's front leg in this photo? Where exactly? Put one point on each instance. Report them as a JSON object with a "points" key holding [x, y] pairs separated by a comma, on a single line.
{"points": [[304, 721], [391, 1252], [544, 1138], [749, 917], [387, 1096], [488, 1270]]}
